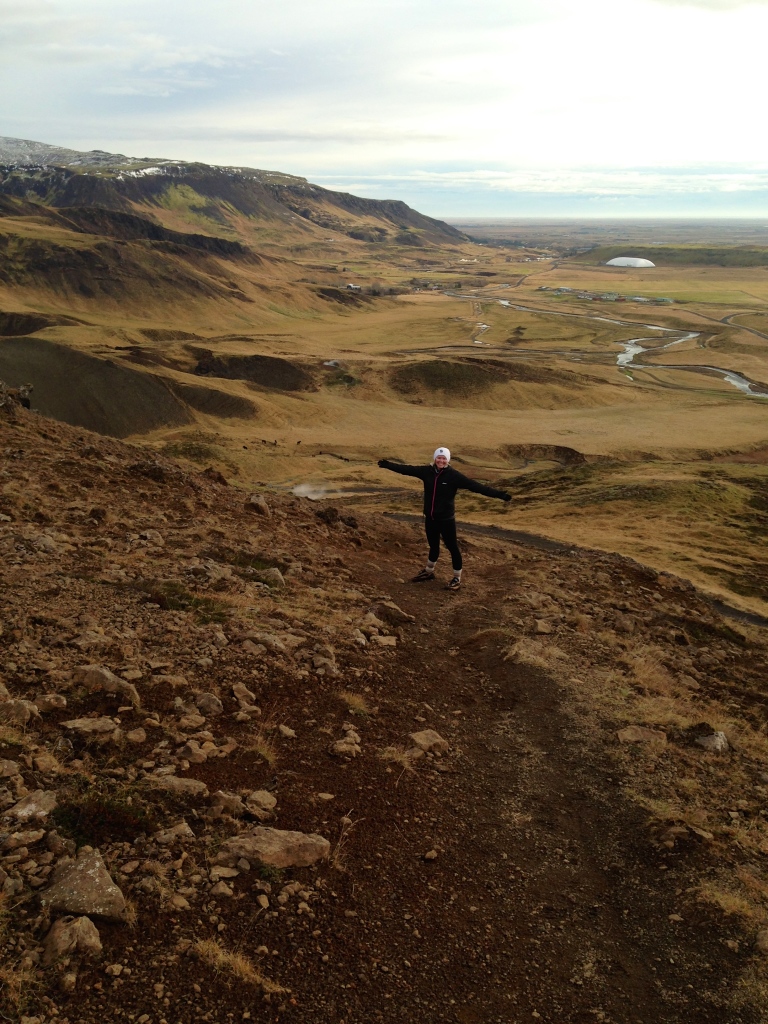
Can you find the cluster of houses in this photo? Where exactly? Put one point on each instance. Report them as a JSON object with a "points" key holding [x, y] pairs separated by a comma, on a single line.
{"points": [[574, 293]]}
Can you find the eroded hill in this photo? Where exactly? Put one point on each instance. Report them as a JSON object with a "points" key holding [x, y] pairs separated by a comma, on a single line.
{"points": [[250, 773]]}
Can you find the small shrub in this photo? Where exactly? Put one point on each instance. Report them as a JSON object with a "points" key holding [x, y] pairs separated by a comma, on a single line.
{"points": [[174, 596], [93, 817], [269, 874]]}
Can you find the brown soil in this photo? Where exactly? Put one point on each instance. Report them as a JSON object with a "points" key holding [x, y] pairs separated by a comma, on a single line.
{"points": [[521, 876]]}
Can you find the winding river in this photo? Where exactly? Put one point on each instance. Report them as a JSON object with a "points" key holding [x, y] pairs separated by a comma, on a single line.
{"points": [[634, 347]]}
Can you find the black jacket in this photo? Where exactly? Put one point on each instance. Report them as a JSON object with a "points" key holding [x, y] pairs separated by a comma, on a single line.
{"points": [[440, 487]]}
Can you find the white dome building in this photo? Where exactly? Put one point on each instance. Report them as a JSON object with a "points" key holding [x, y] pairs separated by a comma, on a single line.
{"points": [[629, 261]]}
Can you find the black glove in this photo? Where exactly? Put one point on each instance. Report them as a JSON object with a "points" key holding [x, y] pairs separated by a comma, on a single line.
{"points": [[382, 463], [506, 496]]}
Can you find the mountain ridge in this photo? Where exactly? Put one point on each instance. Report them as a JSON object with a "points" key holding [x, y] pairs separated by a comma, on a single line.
{"points": [[216, 195]]}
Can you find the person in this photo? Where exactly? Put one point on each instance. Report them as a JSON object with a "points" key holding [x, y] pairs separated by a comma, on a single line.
{"points": [[441, 482]]}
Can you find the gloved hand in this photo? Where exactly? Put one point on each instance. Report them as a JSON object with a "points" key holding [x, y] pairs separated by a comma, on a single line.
{"points": [[382, 463], [506, 496]]}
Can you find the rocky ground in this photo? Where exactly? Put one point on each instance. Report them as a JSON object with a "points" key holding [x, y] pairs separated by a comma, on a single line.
{"points": [[247, 772]]}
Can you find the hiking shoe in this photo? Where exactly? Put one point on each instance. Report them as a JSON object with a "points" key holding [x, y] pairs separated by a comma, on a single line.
{"points": [[454, 584], [423, 577]]}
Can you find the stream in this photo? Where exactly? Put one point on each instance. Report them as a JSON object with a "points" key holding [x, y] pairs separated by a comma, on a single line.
{"points": [[634, 347]]}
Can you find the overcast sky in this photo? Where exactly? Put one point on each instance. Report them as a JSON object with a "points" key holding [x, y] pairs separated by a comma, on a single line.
{"points": [[459, 107]]}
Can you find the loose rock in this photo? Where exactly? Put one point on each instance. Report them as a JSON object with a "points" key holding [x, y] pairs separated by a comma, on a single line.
{"points": [[717, 743], [430, 741], [85, 887], [71, 935], [275, 848]]}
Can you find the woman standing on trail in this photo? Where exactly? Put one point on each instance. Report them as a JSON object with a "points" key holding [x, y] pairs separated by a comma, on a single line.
{"points": [[441, 483]]}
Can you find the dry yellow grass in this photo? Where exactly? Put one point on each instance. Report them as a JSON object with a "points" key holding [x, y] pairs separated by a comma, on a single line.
{"points": [[399, 755], [356, 703], [17, 984], [725, 894], [262, 742], [535, 653], [648, 671], [235, 965]]}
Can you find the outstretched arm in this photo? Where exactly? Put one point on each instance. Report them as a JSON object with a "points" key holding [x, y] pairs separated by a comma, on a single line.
{"points": [[396, 467], [478, 488]]}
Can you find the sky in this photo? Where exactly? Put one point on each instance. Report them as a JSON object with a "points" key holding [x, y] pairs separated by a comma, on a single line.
{"points": [[488, 108]]}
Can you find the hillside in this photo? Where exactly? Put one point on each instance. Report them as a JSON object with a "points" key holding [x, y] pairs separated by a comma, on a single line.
{"points": [[681, 255], [215, 199], [249, 773]]}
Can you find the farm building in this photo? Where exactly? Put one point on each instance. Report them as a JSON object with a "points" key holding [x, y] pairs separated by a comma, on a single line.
{"points": [[629, 261]]}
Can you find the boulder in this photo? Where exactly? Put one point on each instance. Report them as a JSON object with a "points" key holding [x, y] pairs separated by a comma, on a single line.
{"points": [[260, 803], [191, 752], [71, 935], [346, 747], [717, 742], [97, 677], [47, 764], [219, 871], [8, 769], [17, 712], [430, 741], [257, 503], [273, 643], [191, 722], [209, 705], [50, 702], [370, 620], [272, 577], [392, 613], [101, 726], [227, 803], [17, 839], [85, 887], [384, 641], [178, 787], [174, 834], [242, 694], [33, 807], [274, 848]]}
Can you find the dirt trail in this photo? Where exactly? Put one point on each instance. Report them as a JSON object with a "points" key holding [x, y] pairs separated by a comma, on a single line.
{"points": [[547, 900]]}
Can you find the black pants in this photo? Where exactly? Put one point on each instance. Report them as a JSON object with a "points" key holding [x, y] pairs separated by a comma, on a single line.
{"points": [[445, 528]]}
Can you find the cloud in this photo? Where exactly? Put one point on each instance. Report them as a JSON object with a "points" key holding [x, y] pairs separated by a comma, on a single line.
{"points": [[535, 91], [713, 5], [550, 181]]}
